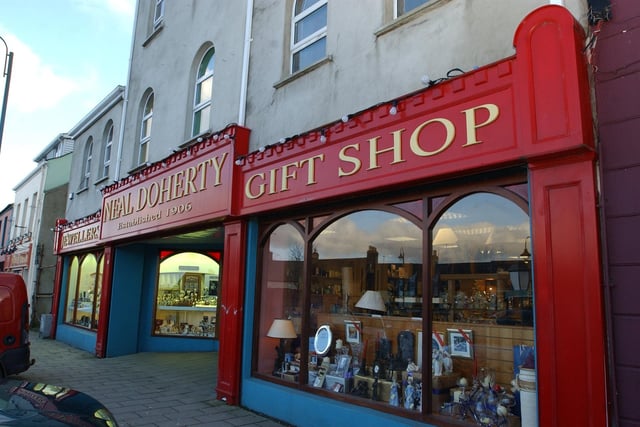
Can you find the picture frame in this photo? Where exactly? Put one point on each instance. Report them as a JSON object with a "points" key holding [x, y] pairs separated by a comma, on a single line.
{"points": [[343, 364], [437, 341], [461, 343], [353, 331]]}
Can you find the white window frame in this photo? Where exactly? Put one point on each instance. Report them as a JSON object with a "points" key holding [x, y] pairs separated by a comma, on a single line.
{"points": [[158, 13], [145, 138], [397, 13], [198, 107], [108, 144], [87, 163], [310, 39]]}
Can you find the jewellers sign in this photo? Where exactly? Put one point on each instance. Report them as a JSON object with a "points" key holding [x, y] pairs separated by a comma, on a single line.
{"points": [[85, 234], [190, 186]]}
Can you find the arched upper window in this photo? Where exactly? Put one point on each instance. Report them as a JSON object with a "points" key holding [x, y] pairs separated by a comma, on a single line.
{"points": [[203, 93], [108, 143], [145, 130], [88, 155], [308, 33]]}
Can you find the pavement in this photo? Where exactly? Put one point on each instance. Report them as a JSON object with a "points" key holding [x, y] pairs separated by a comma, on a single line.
{"points": [[143, 389]]}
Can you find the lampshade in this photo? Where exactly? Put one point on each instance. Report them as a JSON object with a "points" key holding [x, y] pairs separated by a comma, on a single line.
{"points": [[446, 237], [372, 300], [282, 328]]}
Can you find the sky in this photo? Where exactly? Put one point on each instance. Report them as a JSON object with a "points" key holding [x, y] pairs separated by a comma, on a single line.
{"points": [[68, 55]]}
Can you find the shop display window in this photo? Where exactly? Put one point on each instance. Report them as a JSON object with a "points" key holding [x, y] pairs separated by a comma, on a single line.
{"points": [[83, 294], [187, 292], [279, 350], [374, 311]]}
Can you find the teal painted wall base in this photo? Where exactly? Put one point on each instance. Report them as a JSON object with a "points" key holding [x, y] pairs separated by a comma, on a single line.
{"points": [[76, 337], [308, 410]]}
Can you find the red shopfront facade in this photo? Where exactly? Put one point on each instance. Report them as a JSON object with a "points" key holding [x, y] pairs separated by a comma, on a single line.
{"points": [[151, 269], [518, 127]]}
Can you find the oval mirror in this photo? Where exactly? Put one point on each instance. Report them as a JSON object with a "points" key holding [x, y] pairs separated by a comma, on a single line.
{"points": [[323, 339]]}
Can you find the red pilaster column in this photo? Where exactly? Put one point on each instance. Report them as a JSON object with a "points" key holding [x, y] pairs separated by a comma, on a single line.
{"points": [[567, 270], [105, 303], [55, 302], [231, 312], [553, 110]]}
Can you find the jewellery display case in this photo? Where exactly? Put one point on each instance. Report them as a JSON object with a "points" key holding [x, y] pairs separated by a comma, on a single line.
{"points": [[185, 306]]}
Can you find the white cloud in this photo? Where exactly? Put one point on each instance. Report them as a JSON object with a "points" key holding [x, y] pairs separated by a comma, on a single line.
{"points": [[34, 85], [123, 8]]}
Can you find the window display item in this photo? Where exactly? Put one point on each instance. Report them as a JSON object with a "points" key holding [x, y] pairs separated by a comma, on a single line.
{"points": [[282, 329], [393, 396], [406, 342], [409, 396], [323, 339]]}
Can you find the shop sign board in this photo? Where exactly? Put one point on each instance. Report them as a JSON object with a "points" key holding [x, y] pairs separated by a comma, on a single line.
{"points": [[83, 236], [18, 259], [191, 186], [377, 149]]}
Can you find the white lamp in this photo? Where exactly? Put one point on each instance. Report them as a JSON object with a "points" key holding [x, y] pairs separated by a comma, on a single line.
{"points": [[372, 300], [446, 238], [282, 329]]}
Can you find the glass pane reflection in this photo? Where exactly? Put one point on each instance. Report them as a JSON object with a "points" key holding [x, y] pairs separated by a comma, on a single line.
{"points": [[366, 284], [281, 293], [482, 315]]}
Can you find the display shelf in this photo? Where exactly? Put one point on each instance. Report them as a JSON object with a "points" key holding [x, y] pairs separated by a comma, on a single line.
{"points": [[192, 321], [473, 298]]}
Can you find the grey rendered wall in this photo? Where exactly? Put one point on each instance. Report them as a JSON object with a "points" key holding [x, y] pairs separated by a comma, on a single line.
{"points": [[52, 208], [372, 58], [166, 60], [87, 201]]}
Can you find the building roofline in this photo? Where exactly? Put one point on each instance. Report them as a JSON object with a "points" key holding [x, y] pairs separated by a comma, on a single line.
{"points": [[115, 96]]}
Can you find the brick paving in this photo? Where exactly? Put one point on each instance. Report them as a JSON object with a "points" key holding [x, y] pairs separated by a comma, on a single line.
{"points": [[144, 389]]}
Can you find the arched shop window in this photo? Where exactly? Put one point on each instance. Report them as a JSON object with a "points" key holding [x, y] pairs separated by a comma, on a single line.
{"points": [[187, 292], [437, 287], [83, 295], [482, 307], [281, 290]]}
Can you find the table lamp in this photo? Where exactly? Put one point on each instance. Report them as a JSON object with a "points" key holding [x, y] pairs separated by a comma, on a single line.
{"points": [[282, 329], [372, 300]]}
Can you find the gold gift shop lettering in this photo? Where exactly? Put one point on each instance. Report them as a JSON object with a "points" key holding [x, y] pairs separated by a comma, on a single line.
{"points": [[277, 180], [183, 183]]}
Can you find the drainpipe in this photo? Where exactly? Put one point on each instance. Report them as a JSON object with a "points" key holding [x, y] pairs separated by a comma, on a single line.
{"points": [[242, 112], [125, 100]]}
